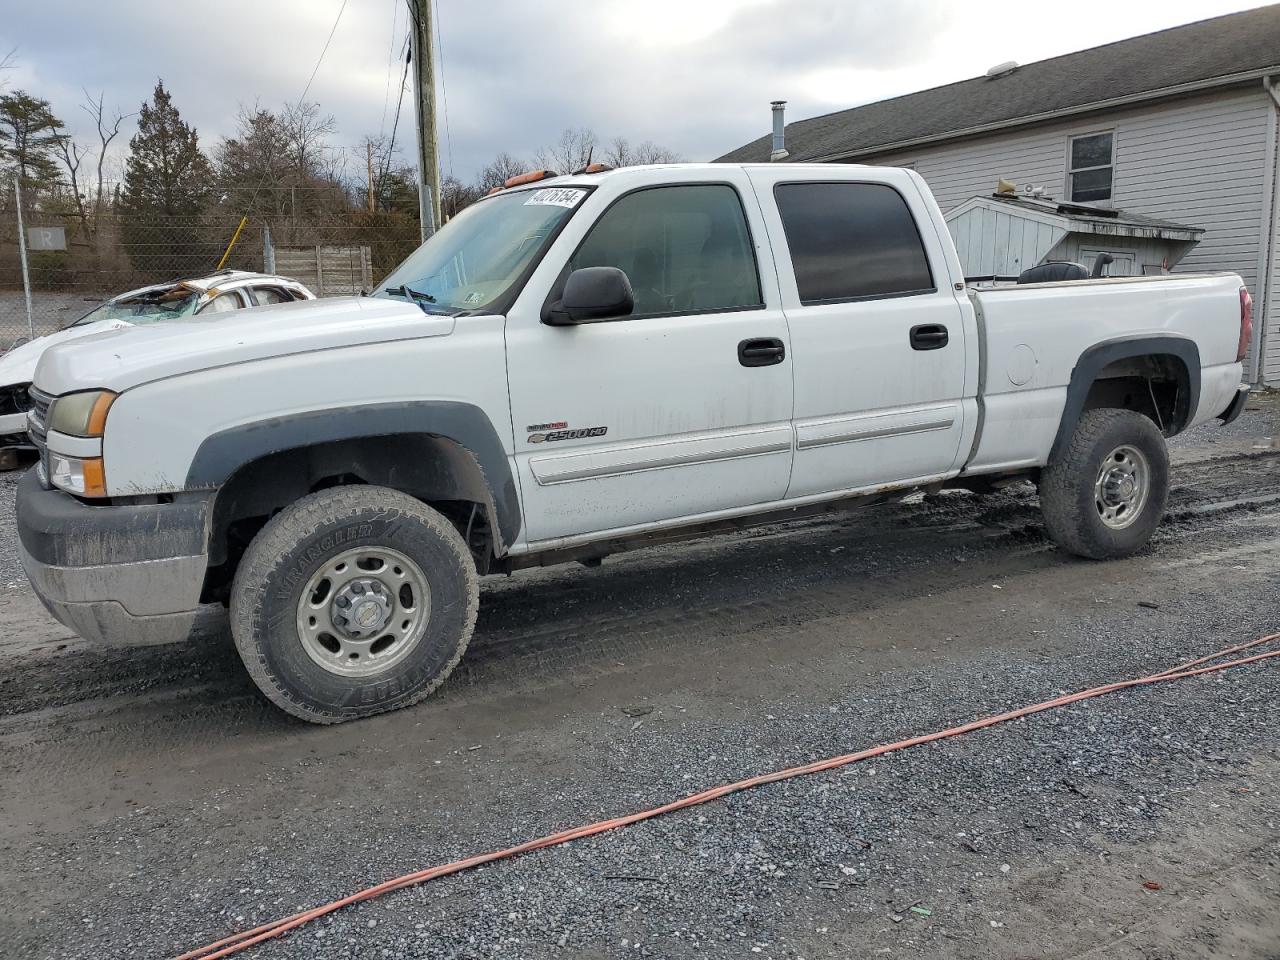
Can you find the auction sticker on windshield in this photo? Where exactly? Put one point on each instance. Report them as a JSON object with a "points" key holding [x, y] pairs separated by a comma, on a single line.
{"points": [[555, 197]]}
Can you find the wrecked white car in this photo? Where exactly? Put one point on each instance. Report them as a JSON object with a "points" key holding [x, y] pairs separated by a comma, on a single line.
{"points": [[221, 292]]}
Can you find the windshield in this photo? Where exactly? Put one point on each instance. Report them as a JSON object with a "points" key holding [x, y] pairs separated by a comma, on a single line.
{"points": [[150, 307], [479, 255]]}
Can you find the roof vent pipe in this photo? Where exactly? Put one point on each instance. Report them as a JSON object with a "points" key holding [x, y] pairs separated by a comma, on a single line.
{"points": [[779, 131]]}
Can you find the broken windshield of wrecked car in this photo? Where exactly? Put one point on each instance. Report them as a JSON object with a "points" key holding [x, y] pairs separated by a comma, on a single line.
{"points": [[477, 257], [151, 306]]}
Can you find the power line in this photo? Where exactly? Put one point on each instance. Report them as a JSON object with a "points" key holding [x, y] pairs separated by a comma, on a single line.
{"points": [[391, 64], [263, 180], [444, 90], [325, 50], [391, 146]]}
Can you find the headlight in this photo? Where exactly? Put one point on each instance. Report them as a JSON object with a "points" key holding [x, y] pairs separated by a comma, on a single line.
{"points": [[83, 477], [81, 414]]}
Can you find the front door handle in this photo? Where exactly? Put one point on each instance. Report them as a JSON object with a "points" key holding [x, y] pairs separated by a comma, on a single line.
{"points": [[929, 336], [761, 352]]}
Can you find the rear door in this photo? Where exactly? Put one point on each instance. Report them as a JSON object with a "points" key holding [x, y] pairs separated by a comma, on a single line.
{"points": [[877, 330], [683, 407]]}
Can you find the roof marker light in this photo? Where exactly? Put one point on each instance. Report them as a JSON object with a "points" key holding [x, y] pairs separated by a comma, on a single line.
{"points": [[531, 177]]}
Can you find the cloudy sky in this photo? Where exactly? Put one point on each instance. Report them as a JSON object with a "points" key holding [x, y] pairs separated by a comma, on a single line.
{"points": [[694, 75]]}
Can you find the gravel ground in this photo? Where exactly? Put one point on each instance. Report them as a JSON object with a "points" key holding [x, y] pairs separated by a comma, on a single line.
{"points": [[152, 802]]}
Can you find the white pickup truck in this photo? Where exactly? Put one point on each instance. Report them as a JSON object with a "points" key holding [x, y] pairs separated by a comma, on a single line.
{"points": [[575, 366]]}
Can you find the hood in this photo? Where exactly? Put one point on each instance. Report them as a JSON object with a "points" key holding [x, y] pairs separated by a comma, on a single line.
{"points": [[120, 359], [19, 364]]}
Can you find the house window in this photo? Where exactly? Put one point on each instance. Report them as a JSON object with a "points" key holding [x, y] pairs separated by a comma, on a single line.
{"points": [[1090, 168]]}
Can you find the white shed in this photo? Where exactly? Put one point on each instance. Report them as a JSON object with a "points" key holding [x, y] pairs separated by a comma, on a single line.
{"points": [[1001, 235]]}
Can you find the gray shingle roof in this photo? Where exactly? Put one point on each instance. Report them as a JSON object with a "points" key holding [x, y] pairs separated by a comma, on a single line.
{"points": [[1221, 47]]}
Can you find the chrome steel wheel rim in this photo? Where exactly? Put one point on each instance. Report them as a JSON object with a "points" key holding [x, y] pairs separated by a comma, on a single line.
{"points": [[1122, 487], [363, 611]]}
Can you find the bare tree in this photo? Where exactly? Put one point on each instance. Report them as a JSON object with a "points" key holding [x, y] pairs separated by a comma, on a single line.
{"points": [[571, 152], [376, 152], [621, 153], [7, 63], [72, 157], [380, 173], [498, 171], [108, 130], [305, 131], [456, 196]]}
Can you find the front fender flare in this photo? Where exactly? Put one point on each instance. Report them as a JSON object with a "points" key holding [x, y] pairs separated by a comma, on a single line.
{"points": [[222, 454]]}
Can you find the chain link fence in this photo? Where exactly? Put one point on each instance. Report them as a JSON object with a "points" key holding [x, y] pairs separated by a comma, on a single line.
{"points": [[76, 260]]}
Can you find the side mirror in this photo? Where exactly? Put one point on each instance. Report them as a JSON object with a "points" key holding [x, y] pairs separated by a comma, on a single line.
{"points": [[592, 294]]}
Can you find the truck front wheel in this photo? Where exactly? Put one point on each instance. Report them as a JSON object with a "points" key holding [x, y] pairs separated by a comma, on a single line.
{"points": [[1103, 496], [353, 601]]}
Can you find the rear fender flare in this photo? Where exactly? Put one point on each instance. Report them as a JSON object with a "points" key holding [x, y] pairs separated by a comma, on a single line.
{"points": [[1098, 357]]}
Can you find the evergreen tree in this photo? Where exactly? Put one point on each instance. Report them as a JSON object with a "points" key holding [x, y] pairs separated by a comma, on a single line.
{"points": [[167, 183], [29, 139]]}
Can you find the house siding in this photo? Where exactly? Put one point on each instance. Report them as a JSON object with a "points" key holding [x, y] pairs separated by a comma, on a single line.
{"points": [[1201, 161], [1267, 316], [1001, 243]]}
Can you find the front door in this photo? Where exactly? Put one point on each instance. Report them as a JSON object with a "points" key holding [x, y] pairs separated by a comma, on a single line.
{"points": [[678, 410], [877, 332]]}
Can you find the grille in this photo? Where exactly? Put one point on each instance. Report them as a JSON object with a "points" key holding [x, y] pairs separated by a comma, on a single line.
{"points": [[39, 417], [37, 430]]}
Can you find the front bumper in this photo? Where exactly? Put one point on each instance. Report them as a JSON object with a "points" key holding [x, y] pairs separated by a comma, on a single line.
{"points": [[118, 573], [13, 423], [1236, 406]]}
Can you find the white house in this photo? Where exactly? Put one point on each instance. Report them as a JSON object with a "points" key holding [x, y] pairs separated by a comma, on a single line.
{"points": [[1181, 125]]}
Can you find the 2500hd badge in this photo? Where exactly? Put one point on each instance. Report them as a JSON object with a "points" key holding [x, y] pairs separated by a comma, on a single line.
{"points": [[577, 434]]}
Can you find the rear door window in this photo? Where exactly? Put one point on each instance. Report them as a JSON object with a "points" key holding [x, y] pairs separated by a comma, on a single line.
{"points": [[685, 248], [852, 241], [265, 296], [223, 303]]}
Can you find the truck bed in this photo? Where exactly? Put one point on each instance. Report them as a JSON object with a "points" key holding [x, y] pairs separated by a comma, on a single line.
{"points": [[1031, 335]]}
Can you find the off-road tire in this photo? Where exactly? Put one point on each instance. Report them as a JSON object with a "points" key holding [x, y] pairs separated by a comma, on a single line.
{"points": [[293, 545], [1067, 485]]}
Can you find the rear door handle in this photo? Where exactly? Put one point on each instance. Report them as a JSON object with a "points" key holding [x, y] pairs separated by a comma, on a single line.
{"points": [[761, 352], [929, 336]]}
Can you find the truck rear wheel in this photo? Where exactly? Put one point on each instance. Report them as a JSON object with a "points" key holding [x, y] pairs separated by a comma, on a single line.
{"points": [[1103, 496], [353, 601]]}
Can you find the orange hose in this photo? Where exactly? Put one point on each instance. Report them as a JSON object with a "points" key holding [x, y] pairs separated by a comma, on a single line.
{"points": [[244, 940]]}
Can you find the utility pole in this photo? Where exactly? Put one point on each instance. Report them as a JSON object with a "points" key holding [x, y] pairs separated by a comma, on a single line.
{"points": [[424, 78], [368, 159]]}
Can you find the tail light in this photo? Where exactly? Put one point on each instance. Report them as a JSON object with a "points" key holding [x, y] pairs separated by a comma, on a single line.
{"points": [[1246, 324]]}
